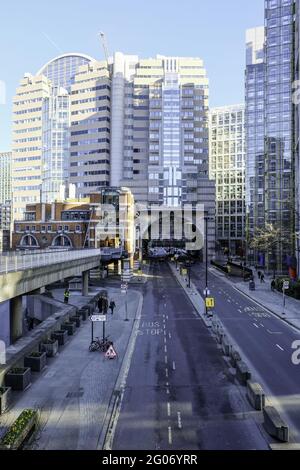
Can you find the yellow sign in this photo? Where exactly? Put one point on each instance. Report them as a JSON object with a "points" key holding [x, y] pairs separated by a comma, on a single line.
{"points": [[210, 302], [184, 272]]}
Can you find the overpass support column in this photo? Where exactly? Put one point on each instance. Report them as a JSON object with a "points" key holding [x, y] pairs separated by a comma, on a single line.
{"points": [[85, 283], [16, 319]]}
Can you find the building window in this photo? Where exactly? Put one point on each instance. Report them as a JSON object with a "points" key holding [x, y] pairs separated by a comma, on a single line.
{"points": [[49, 228]]}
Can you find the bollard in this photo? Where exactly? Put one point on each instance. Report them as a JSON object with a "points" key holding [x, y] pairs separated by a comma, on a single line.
{"points": [[274, 425], [255, 395]]}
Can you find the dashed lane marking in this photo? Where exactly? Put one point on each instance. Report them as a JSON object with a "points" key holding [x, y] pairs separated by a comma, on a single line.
{"points": [[170, 435], [179, 420], [279, 347], [174, 365], [169, 409], [167, 373], [166, 359], [256, 326]]}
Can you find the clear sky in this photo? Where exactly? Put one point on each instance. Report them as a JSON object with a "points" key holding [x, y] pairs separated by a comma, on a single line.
{"points": [[34, 31]]}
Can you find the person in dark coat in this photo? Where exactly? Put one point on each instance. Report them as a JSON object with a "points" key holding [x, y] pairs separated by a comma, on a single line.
{"points": [[273, 285], [105, 305], [100, 304], [112, 306]]}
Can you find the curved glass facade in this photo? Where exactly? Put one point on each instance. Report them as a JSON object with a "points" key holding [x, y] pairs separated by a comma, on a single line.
{"points": [[62, 69]]}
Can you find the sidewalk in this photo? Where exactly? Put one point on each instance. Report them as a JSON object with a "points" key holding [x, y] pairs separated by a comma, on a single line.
{"points": [[272, 301], [75, 390]]}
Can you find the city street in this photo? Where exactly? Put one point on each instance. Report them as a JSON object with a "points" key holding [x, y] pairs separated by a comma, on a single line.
{"points": [[179, 393], [265, 341]]}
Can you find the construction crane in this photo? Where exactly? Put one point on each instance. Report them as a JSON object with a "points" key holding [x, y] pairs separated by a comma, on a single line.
{"points": [[102, 38]]}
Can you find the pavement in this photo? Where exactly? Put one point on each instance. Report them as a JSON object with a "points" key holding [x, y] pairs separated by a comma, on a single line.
{"points": [[264, 339], [74, 392], [179, 392]]}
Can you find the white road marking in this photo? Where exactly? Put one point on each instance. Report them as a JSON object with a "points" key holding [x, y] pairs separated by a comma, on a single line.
{"points": [[167, 317], [228, 301], [279, 347], [167, 373], [239, 310], [255, 325], [274, 332], [170, 435], [166, 349], [179, 420], [168, 391], [261, 324], [169, 409], [170, 336], [165, 340], [165, 333], [174, 365], [166, 359]]}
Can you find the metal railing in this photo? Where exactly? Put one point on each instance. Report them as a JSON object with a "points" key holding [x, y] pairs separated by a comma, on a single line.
{"points": [[18, 262]]}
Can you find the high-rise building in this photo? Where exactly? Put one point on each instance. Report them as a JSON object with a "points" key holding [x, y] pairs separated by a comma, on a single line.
{"points": [[296, 102], [61, 70], [5, 180], [255, 130], [270, 132], [41, 124], [165, 115], [227, 168], [90, 142]]}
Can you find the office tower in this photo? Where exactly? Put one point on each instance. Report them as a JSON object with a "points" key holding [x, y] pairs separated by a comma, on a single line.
{"points": [[255, 134], [296, 102], [62, 69], [5, 173], [28, 141], [41, 121], [279, 129], [55, 144], [271, 167], [227, 168], [165, 127], [90, 128]]}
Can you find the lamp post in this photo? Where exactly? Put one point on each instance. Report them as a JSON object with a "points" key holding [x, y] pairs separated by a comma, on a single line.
{"points": [[206, 261]]}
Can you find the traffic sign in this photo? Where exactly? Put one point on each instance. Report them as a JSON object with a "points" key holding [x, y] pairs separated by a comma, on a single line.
{"points": [[184, 272], [210, 302], [286, 285], [206, 292], [110, 353], [98, 318]]}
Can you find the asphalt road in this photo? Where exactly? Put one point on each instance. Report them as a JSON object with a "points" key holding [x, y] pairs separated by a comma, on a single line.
{"points": [[179, 392], [264, 339]]}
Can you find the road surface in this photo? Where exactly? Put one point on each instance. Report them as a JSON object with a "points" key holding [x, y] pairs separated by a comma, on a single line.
{"points": [[264, 339], [179, 393]]}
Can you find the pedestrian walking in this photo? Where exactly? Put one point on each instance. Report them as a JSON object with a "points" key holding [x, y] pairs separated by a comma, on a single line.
{"points": [[112, 306], [259, 274], [273, 285], [262, 278], [66, 296], [100, 304], [105, 305]]}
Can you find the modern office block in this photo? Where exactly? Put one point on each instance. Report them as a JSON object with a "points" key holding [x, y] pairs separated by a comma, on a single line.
{"points": [[227, 168]]}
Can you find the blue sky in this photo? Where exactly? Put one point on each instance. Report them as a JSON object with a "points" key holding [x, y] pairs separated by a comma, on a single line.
{"points": [[33, 32]]}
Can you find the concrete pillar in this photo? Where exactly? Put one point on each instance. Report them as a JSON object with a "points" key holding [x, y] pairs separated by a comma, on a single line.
{"points": [[85, 283], [16, 319]]}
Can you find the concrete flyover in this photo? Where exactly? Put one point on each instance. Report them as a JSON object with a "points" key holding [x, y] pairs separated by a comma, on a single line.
{"points": [[21, 274], [24, 274]]}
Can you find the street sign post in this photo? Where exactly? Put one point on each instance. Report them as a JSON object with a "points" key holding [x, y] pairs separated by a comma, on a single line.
{"points": [[210, 302], [98, 318], [286, 286]]}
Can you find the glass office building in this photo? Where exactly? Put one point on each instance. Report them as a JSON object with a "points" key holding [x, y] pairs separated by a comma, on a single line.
{"points": [[62, 70], [270, 133]]}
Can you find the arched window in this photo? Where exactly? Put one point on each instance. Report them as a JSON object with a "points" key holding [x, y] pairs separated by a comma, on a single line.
{"points": [[62, 240], [29, 241]]}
